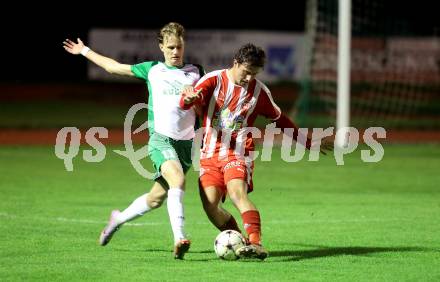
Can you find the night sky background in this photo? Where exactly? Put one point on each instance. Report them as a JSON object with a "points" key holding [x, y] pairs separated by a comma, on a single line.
{"points": [[32, 34]]}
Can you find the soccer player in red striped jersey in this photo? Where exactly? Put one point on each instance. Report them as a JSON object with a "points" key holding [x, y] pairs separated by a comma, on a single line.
{"points": [[230, 100]]}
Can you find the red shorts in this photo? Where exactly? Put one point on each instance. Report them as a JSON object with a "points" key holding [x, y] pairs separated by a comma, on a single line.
{"points": [[214, 172]]}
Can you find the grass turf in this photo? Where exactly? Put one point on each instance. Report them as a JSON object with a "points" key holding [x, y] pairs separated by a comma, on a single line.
{"points": [[321, 222]]}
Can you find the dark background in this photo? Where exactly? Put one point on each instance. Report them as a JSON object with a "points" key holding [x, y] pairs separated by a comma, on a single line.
{"points": [[33, 33]]}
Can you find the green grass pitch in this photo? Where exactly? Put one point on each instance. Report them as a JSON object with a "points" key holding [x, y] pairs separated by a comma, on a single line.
{"points": [[321, 222]]}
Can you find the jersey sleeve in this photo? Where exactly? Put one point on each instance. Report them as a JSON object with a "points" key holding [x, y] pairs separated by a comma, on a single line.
{"points": [[207, 85], [270, 110], [267, 106], [284, 122], [141, 70]]}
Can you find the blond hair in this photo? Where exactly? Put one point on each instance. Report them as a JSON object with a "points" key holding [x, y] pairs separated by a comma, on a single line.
{"points": [[169, 29]]}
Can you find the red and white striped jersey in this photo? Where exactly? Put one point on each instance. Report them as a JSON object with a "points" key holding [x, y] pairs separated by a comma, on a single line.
{"points": [[230, 110]]}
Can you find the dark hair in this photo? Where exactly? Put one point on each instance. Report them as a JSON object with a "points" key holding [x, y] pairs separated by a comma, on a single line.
{"points": [[171, 28], [250, 54]]}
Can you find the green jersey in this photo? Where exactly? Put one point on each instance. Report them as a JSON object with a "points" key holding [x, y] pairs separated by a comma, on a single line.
{"points": [[165, 85]]}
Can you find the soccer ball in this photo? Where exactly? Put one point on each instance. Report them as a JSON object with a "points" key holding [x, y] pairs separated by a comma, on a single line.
{"points": [[227, 242]]}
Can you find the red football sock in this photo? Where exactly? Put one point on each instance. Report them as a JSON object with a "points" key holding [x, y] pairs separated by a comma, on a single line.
{"points": [[252, 224], [231, 224]]}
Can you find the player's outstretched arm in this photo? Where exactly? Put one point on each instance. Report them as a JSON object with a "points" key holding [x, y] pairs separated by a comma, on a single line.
{"points": [[325, 144], [284, 122], [106, 63]]}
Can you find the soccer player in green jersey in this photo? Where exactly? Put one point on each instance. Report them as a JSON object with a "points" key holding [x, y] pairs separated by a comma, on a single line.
{"points": [[171, 129]]}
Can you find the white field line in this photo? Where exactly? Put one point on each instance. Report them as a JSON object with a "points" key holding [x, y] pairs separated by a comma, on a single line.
{"points": [[166, 222], [73, 220]]}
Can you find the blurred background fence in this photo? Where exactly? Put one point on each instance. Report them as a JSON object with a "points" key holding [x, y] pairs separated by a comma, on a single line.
{"points": [[395, 68]]}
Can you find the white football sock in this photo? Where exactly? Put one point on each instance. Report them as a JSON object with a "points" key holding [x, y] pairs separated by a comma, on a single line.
{"points": [[176, 213], [135, 210]]}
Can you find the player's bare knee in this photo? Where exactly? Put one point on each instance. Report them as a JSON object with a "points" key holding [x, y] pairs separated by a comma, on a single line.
{"points": [[155, 204], [155, 201], [173, 173], [237, 197], [175, 178]]}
